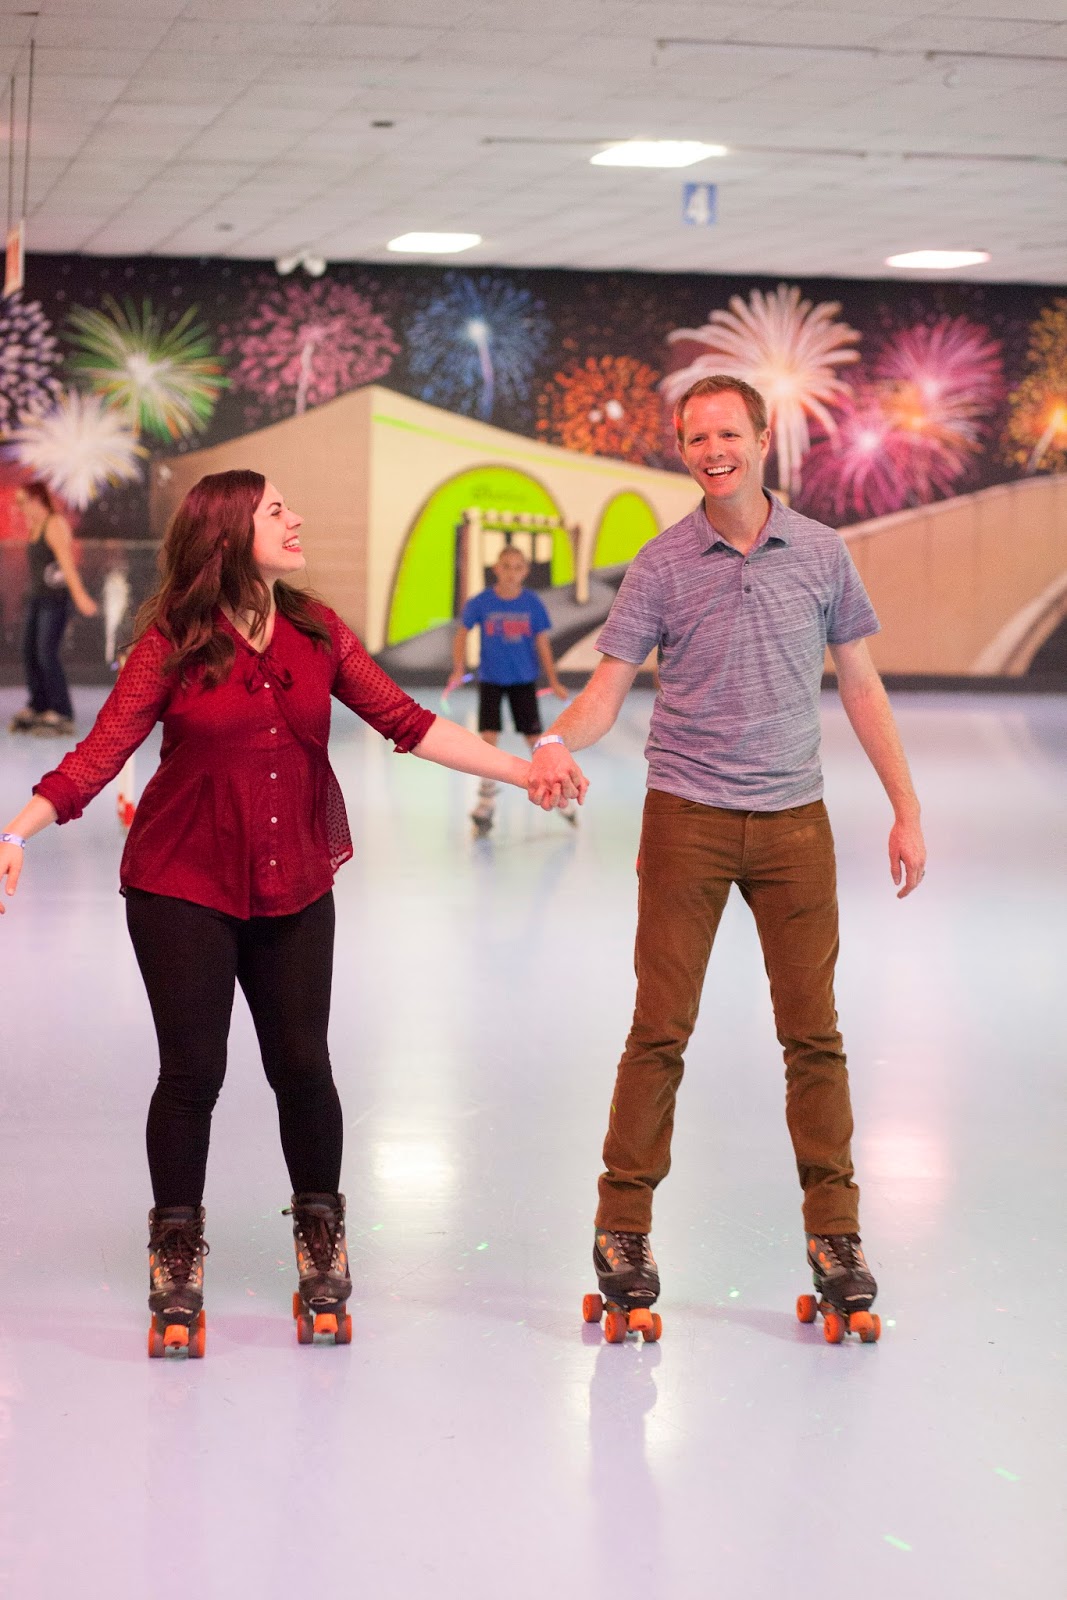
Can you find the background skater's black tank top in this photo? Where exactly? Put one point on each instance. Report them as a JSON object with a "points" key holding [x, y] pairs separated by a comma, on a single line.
{"points": [[39, 557]]}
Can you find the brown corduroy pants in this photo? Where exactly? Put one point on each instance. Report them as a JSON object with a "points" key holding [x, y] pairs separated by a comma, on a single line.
{"points": [[783, 864]]}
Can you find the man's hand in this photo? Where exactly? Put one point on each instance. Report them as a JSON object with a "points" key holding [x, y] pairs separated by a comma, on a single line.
{"points": [[907, 855], [555, 778], [558, 689], [457, 677]]}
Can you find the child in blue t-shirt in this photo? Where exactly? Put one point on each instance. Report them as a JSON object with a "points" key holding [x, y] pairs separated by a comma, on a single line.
{"points": [[515, 649]]}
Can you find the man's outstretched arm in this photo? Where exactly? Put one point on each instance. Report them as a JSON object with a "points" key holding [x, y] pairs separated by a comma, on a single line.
{"points": [[586, 719], [867, 708]]}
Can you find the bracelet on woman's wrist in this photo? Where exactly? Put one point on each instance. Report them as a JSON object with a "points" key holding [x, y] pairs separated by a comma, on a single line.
{"points": [[13, 838]]}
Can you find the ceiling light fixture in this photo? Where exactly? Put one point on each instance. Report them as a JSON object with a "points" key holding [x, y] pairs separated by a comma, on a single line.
{"points": [[937, 260], [433, 244], [656, 153]]}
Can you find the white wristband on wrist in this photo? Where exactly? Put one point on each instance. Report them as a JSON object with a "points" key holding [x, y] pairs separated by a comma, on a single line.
{"points": [[546, 738], [13, 838]]}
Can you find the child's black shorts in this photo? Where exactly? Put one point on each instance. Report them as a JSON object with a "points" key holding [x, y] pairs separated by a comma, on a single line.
{"points": [[524, 708]]}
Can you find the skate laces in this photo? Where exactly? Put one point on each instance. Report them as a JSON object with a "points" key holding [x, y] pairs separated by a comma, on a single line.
{"points": [[635, 1250], [179, 1246], [319, 1234]]}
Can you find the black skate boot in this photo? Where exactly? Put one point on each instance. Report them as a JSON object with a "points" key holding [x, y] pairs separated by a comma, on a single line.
{"points": [[322, 1262], [629, 1284], [845, 1286], [176, 1251]]}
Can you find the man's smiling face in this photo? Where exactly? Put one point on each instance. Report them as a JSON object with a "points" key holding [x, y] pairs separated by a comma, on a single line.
{"points": [[721, 448]]}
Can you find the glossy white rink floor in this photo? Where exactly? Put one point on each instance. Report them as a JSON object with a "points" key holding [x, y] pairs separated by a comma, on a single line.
{"points": [[475, 1439]]}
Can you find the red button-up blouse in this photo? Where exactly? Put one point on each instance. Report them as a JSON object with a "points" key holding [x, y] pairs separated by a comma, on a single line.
{"points": [[244, 813]]}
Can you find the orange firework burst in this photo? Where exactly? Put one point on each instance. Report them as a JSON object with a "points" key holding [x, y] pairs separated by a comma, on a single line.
{"points": [[604, 406], [1036, 435]]}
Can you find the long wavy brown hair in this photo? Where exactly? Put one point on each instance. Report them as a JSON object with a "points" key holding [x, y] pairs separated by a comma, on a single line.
{"points": [[207, 558]]}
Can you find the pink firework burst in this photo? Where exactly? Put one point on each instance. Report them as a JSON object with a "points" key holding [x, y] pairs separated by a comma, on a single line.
{"points": [[948, 373], [909, 435], [300, 344], [863, 467]]}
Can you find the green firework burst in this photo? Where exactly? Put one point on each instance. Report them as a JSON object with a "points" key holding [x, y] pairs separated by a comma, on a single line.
{"points": [[166, 381]]}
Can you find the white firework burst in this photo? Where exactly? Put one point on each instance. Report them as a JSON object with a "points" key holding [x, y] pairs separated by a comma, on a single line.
{"points": [[29, 354], [786, 348], [78, 448]]}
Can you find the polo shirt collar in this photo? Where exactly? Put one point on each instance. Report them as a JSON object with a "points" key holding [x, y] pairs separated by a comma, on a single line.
{"points": [[774, 530]]}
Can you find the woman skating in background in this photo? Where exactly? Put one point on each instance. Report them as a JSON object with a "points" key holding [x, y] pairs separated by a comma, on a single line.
{"points": [[54, 584], [229, 864]]}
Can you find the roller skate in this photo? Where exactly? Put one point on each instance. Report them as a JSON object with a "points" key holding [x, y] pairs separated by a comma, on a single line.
{"points": [[482, 815], [176, 1251], [845, 1289], [23, 720], [322, 1262], [629, 1287]]}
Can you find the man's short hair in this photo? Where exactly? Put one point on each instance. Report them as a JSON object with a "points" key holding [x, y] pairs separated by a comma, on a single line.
{"points": [[722, 383]]}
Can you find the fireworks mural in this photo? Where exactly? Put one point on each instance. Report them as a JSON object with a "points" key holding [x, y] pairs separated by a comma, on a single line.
{"points": [[164, 380], [789, 349], [606, 405], [476, 344], [908, 434], [1036, 435], [300, 344], [29, 355], [80, 447]]}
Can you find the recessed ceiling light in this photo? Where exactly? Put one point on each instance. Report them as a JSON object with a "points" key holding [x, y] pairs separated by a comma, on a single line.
{"points": [[434, 244], [938, 260], [656, 153]]}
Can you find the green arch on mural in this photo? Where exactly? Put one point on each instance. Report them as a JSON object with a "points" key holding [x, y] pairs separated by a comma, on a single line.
{"points": [[628, 523], [423, 593]]}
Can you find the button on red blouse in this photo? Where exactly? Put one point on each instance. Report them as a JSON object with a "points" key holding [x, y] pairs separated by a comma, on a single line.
{"points": [[244, 813]]}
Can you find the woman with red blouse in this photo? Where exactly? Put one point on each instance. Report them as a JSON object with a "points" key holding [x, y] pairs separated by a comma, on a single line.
{"points": [[229, 864]]}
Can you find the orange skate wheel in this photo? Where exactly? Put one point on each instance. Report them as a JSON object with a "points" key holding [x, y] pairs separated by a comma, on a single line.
{"points": [[344, 1330], [874, 1332], [176, 1336], [198, 1340], [305, 1330], [615, 1327], [807, 1308], [861, 1322], [833, 1327], [654, 1331], [326, 1322], [298, 1305], [639, 1320], [156, 1347], [592, 1308]]}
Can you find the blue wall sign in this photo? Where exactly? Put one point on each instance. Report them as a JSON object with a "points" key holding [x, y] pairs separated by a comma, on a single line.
{"points": [[700, 204]]}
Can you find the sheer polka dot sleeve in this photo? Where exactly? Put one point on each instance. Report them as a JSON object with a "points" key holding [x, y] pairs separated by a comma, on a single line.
{"points": [[126, 718], [360, 684]]}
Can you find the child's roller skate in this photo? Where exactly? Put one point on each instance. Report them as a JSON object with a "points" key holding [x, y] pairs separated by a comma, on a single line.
{"points": [[482, 815], [629, 1287], [176, 1251], [322, 1262], [845, 1289]]}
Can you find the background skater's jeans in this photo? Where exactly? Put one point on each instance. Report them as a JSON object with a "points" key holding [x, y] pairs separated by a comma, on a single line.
{"points": [[783, 864], [46, 618]]}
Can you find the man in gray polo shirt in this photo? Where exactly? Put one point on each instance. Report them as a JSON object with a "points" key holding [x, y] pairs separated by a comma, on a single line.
{"points": [[741, 599]]}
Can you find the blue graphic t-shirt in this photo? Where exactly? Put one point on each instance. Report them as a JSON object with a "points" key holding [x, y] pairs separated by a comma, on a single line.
{"points": [[509, 628]]}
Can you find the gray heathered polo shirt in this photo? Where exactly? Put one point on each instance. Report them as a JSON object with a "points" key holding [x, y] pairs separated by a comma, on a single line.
{"points": [[742, 642]]}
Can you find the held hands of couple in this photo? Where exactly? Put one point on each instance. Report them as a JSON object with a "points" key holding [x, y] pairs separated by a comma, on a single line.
{"points": [[555, 777]]}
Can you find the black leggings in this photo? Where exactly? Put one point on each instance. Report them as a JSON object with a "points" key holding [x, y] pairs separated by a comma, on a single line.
{"points": [[189, 957]]}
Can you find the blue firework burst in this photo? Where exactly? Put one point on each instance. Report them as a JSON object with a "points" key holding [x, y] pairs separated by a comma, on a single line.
{"points": [[475, 345]]}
